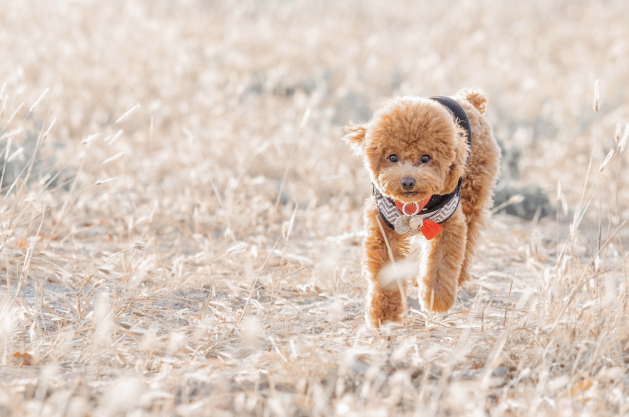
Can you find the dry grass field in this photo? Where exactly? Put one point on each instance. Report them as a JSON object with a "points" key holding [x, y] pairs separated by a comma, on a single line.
{"points": [[180, 223]]}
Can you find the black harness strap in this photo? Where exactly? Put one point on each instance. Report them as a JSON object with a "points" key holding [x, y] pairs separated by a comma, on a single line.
{"points": [[459, 115]]}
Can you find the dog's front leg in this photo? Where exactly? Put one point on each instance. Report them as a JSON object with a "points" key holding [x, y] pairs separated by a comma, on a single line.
{"points": [[440, 264], [384, 303]]}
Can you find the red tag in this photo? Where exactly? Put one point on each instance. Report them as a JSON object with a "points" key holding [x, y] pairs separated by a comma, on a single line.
{"points": [[430, 229], [412, 208]]}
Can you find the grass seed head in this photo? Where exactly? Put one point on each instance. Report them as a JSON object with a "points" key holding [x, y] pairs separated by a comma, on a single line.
{"points": [[596, 96], [176, 342], [262, 90], [103, 324], [251, 331], [139, 245], [394, 274]]}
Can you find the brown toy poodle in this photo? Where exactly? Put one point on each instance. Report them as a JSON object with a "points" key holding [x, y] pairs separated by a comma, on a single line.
{"points": [[433, 164]]}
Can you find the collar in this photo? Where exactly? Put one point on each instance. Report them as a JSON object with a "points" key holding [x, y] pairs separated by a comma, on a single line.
{"points": [[432, 216], [439, 208]]}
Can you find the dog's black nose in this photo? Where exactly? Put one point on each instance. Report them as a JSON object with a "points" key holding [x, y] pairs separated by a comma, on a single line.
{"points": [[408, 183]]}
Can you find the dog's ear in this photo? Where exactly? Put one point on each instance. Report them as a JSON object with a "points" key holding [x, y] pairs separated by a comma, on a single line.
{"points": [[457, 168], [476, 97], [355, 136]]}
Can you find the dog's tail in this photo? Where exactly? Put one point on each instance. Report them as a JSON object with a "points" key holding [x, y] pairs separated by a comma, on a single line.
{"points": [[476, 97]]}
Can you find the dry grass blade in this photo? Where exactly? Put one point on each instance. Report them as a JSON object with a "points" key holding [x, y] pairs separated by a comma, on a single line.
{"points": [[128, 113], [206, 259]]}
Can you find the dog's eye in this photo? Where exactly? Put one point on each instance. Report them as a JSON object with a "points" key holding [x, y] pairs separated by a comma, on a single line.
{"points": [[393, 158], [425, 159]]}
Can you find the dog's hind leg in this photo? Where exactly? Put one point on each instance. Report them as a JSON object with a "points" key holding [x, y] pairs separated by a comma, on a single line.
{"points": [[440, 265], [475, 225], [480, 177], [384, 301]]}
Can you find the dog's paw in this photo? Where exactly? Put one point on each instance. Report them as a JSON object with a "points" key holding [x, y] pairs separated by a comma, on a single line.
{"points": [[383, 306], [476, 97]]}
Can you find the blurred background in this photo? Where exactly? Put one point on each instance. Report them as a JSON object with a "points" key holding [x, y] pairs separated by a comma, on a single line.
{"points": [[227, 85], [176, 124]]}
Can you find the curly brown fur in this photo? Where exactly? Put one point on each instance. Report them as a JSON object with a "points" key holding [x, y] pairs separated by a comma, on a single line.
{"points": [[411, 127]]}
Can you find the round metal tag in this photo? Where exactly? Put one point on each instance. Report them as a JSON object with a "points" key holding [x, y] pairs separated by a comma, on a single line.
{"points": [[401, 225], [415, 223]]}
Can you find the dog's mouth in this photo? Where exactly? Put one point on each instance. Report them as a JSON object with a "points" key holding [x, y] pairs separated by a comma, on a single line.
{"points": [[412, 196]]}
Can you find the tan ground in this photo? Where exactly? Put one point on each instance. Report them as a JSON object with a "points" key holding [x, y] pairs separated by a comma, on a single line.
{"points": [[199, 254]]}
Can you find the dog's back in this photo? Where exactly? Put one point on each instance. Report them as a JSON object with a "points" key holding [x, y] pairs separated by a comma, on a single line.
{"points": [[481, 172]]}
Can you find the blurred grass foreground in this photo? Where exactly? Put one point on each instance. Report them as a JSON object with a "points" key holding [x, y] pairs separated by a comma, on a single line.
{"points": [[174, 244]]}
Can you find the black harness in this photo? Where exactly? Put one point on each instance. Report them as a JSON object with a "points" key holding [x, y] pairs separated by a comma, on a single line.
{"points": [[440, 207]]}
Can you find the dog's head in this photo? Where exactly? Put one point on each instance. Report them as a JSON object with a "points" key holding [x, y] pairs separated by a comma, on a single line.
{"points": [[412, 148]]}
